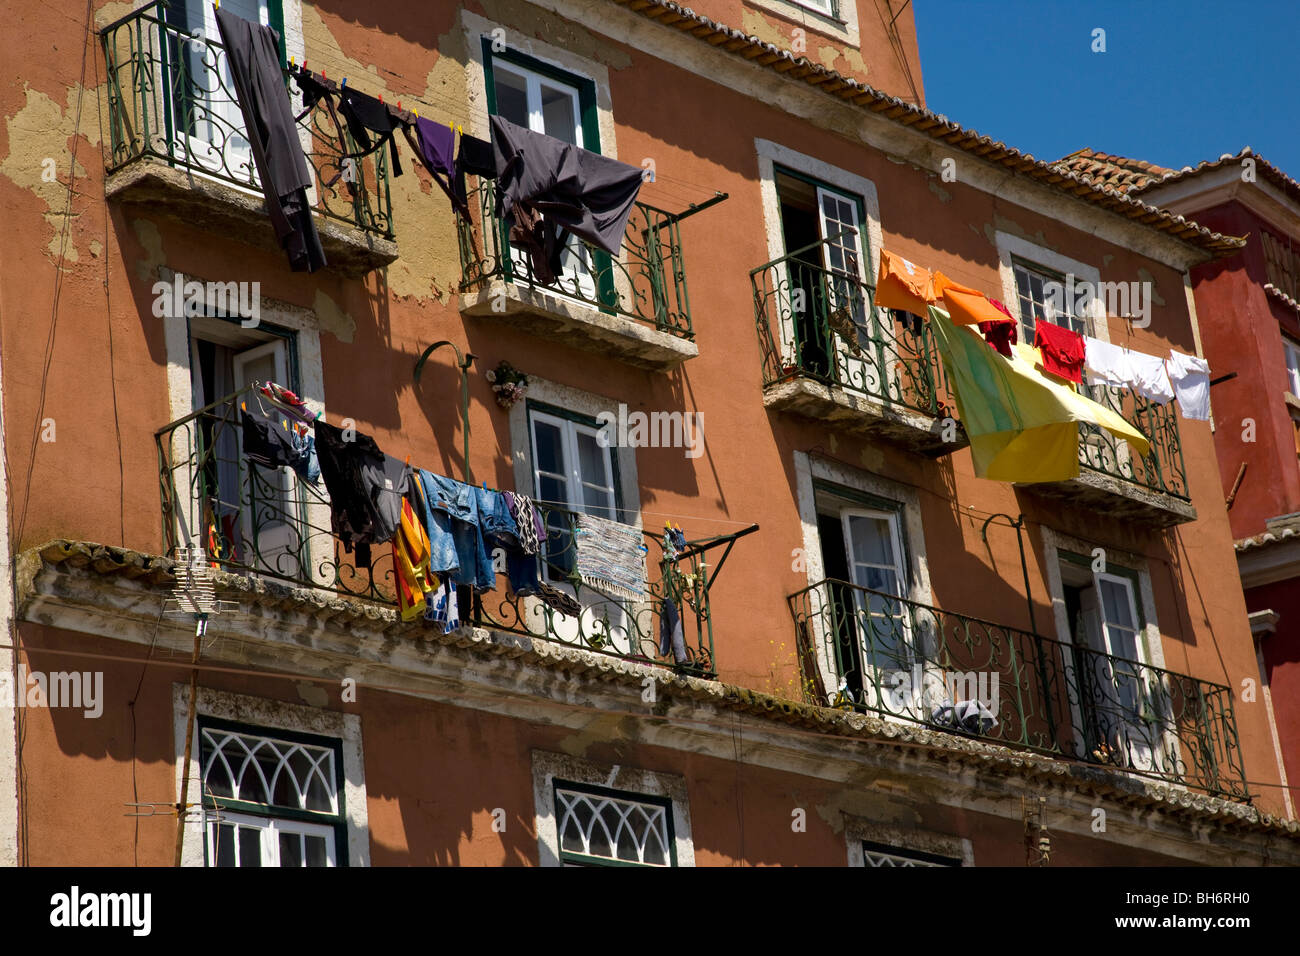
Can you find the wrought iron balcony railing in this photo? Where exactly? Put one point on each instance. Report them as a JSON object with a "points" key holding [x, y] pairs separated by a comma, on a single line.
{"points": [[171, 97], [645, 282], [820, 323], [273, 523], [909, 661], [1162, 469]]}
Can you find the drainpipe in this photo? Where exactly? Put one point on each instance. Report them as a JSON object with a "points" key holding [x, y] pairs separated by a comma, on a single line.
{"points": [[463, 362]]}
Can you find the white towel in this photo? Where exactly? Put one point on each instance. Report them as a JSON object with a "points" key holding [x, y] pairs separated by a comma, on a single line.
{"points": [[1106, 364], [1190, 377], [1149, 376]]}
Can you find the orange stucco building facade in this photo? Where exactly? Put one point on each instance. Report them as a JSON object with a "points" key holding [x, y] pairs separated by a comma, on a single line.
{"points": [[771, 127]]}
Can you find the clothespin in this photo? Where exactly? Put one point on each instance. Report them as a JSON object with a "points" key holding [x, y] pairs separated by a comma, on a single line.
{"points": [[399, 102], [416, 111], [344, 83], [291, 61], [381, 97]]}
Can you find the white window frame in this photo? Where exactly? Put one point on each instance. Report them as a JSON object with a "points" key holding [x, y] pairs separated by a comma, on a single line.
{"points": [[1292, 352], [548, 767], [807, 468], [627, 804], [1010, 246], [270, 715], [271, 827], [574, 480], [839, 181], [1149, 643]]}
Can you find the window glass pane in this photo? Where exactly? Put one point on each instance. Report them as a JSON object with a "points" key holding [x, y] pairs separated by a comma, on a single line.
{"points": [[871, 542], [290, 849], [250, 846], [593, 461], [1115, 604], [225, 845], [558, 114], [598, 502], [552, 490], [550, 451], [512, 95], [318, 791], [317, 851]]}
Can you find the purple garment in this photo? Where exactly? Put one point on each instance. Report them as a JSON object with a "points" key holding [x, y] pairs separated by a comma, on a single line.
{"points": [[437, 146]]}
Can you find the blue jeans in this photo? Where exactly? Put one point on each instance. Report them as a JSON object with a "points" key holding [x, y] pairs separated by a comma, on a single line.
{"points": [[451, 509]]}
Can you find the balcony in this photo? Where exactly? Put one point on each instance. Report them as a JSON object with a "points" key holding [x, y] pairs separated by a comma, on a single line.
{"points": [[830, 355], [1112, 479], [276, 525], [176, 146], [905, 661], [634, 306]]}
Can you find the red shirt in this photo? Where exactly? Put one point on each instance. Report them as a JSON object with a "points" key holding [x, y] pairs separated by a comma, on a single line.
{"points": [[1062, 350], [999, 335]]}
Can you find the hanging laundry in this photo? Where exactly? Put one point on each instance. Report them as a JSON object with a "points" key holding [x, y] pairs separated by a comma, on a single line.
{"points": [[314, 92], [558, 601], [573, 190], [476, 156], [1001, 308], [1001, 335], [458, 502], [387, 482], [442, 608], [252, 53], [528, 521], [366, 115], [351, 469], [610, 556], [902, 285], [266, 443], [411, 564], [293, 405], [940, 283], [671, 637], [1106, 364], [1023, 425], [435, 145], [1149, 377], [1062, 350], [970, 307], [1190, 377]]}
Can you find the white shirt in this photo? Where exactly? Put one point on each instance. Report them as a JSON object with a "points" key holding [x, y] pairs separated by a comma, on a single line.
{"points": [[1190, 377]]}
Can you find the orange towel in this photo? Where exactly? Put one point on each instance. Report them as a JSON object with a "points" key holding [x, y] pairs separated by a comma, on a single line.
{"points": [[967, 307], [411, 564], [941, 283], [902, 285]]}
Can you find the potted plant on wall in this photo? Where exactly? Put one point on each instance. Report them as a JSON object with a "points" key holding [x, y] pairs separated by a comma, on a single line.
{"points": [[508, 383]]}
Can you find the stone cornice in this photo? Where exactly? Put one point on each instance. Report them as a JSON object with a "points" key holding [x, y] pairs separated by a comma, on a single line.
{"points": [[118, 593]]}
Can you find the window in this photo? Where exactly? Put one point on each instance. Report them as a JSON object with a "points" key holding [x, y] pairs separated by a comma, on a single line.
{"points": [[538, 96], [821, 228], [1119, 708], [602, 827], [270, 798], [881, 855], [1037, 299], [863, 555], [249, 514], [206, 123], [1292, 365], [570, 468]]}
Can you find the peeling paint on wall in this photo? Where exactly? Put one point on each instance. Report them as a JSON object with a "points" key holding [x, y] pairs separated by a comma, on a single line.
{"points": [[40, 131], [331, 317], [146, 230]]}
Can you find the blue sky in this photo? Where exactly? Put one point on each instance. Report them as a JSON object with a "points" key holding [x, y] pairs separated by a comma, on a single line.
{"points": [[1181, 80]]}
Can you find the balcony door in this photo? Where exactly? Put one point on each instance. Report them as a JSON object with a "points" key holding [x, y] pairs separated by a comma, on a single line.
{"points": [[544, 104], [270, 518], [246, 515], [208, 127], [823, 308], [1124, 709]]}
